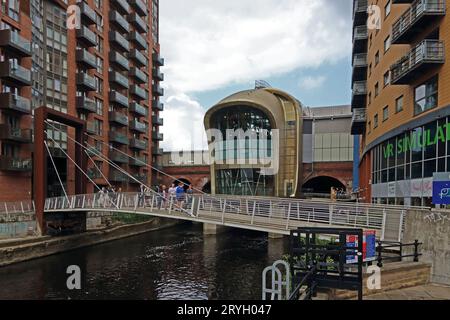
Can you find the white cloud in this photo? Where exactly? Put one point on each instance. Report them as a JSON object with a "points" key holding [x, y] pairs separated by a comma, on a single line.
{"points": [[210, 44], [311, 82]]}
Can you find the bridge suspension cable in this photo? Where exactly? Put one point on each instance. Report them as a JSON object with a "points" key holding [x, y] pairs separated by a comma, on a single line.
{"points": [[96, 167]]}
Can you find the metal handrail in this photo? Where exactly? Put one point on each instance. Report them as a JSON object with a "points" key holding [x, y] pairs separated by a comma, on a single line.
{"points": [[295, 295], [398, 256]]}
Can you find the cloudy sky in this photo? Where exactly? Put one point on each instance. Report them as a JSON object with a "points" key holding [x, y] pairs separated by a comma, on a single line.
{"points": [[213, 48]]}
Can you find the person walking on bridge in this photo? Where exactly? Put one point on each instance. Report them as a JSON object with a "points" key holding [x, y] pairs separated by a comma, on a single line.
{"points": [[180, 194]]}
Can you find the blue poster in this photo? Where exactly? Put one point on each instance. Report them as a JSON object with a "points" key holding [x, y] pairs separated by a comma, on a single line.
{"points": [[441, 192]]}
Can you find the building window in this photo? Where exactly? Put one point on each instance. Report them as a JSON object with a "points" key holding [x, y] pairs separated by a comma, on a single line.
{"points": [[387, 43], [426, 96], [387, 9], [98, 4], [375, 121], [399, 104], [385, 113], [377, 58], [99, 64], [370, 70], [11, 8], [377, 89], [369, 126], [370, 98], [387, 78], [99, 106]]}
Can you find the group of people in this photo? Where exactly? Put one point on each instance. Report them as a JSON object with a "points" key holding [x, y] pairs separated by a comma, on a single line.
{"points": [[108, 195], [180, 195]]}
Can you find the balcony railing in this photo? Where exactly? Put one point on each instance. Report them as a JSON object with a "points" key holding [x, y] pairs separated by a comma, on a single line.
{"points": [[92, 128], [138, 57], [87, 13], [360, 6], [139, 6], [118, 98], [15, 164], [117, 176], [11, 71], [158, 75], [157, 151], [138, 92], [138, 40], [119, 21], [359, 88], [359, 119], [118, 137], [119, 60], [157, 136], [415, 18], [360, 33], [87, 36], [14, 102], [138, 162], [156, 104], [118, 118], [424, 55], [138, 22], [86, 58], [86, 104], [138, 144], [138, 109], [118, 157], [360, 60], [138, 75], [119, 40], [119, 79], [121, 5], [157, 59], [8, 133], [141, 177], [157, 90], [85, 82], [13, 41], [157, 121], [138, 126]]}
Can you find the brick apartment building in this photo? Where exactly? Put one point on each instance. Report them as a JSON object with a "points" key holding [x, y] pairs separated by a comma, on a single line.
{"points": [[401, 100], [106, 72]]}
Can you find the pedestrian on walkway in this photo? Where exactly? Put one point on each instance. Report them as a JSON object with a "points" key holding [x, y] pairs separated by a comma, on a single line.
{"points": [[172, 192], [180, 194], [164, 194], [189, 195], [141, 195]]}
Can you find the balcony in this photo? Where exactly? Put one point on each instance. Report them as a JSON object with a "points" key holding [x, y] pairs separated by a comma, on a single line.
{"points": [[157, 121], [8, 133], [156, 136], [138, 126], [425, 56], [118, 98], [14, 102], [15, 164], [86, 58], [119, 79], [87, 13], [359, 64], [360, 36], [117, 176], [85, 82], [92, 128], [359, 94], [119, 21], [86, 104], [138, 40], [138, 92], [157, 90], [118, 157], [121, 5], [119, 60], [359, 120], [139, 6], [14, 42], [158, 60], [138, 162], [86, 36], [138, 144], [138, 58], [156, 104], [118, 137], [118, 118], [141, 177], [94, 174], [138, 22], [157, 151], [12, 72], [158, 75], [119, 40], [360, 12], [416, 18], [138, 109], [138, 75]]}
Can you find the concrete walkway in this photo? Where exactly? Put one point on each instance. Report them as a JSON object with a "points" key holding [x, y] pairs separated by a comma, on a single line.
{"points": [[425, 292]]}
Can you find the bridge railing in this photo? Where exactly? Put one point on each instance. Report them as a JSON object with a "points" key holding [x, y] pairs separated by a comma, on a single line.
{"points": [[17, 211]]}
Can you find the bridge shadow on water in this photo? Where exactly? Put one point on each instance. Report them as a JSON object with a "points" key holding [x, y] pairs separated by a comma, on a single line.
{"points": [[174, 263]]}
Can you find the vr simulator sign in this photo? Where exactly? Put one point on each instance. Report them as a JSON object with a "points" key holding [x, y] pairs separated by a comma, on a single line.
{"points": [[441, 188]]}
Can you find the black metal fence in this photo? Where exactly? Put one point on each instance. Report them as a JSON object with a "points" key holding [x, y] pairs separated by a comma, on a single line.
{"points": [[390, 251]]}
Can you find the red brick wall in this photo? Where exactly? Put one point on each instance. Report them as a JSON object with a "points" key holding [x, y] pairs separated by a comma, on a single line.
{"points": [[342, 171], [198, 176]]}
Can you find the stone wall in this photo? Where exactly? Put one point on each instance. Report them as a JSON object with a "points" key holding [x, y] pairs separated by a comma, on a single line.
{"points": [[433, 229]]}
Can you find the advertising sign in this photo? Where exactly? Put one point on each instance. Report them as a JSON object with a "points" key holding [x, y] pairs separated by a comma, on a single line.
{"points": [[369, 247], [441, 188]]}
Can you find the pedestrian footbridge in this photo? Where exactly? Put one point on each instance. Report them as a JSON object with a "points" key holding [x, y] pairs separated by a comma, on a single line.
{"points": [[273, 215]]}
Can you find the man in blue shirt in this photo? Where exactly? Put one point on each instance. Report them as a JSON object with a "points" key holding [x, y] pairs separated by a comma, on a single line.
{"points": [[179, 192]]}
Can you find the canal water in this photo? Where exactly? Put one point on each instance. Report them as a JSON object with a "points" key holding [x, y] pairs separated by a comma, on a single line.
{"points": [[174, 263]]}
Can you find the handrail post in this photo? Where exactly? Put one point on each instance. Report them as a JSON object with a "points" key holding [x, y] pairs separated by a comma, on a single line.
{"points": [[253, 212], [223, 211], [151, 206], [400, 227], [289, 215], [82, 203], [379, 258], [416, 250], [136, 201], [383, 225]]}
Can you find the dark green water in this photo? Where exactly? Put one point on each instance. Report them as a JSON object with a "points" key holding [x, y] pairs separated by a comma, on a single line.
{"points": [[175, 263]]}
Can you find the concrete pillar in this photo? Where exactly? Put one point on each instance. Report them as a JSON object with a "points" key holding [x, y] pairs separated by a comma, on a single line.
{"points": [[275, 247], [275, 235], [212, 229]]}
